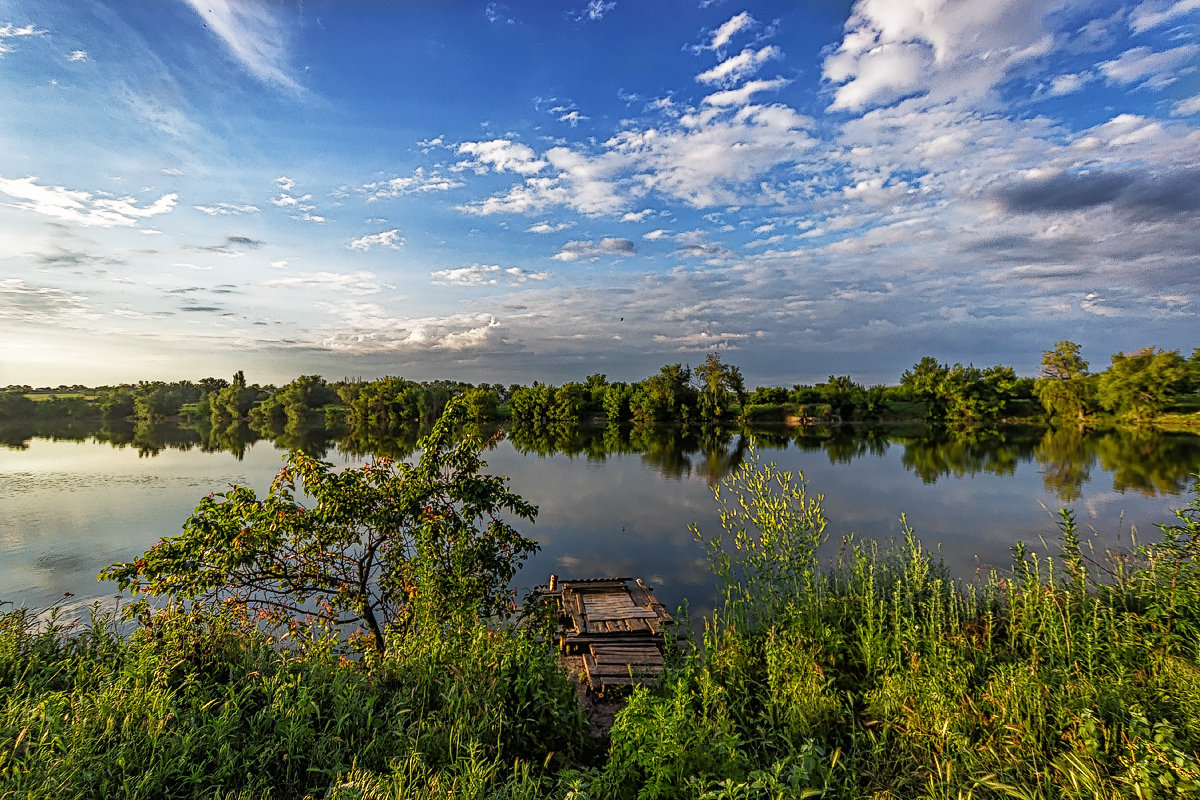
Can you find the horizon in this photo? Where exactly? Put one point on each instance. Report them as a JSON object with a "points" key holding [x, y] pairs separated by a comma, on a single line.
{"points": [[507, 192]]}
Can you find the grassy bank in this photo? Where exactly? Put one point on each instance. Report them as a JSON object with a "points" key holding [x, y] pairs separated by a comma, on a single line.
{"points": [[878, 676]]}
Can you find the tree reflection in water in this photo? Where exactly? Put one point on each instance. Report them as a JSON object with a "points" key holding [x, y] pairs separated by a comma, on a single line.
{"points": [[1143, 460]]}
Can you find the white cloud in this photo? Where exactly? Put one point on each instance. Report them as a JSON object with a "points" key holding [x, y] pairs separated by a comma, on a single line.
{"points": [[741, 95], [1153, 13], [1068, 84], [732, 27], [573, 251], [484, 275], [1153, 69], [895, 48], [226, 209], [253, 33], [546, 227], [738, 67], [500, 155], [418, 183], [366, 329], [1188, 105], [533, 195], [637, 216], [84, 208], [596, 9], [391, 239], [357, 283], [655, 235], [499, 13], [301, 206], [573, 117], [77, 55], [10, 31], [39, 304]]}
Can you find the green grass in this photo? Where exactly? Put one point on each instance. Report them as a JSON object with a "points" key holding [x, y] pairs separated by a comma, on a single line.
{"points": [[877, 676]]}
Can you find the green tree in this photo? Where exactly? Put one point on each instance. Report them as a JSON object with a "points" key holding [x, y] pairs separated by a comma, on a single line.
{"points": [[1143, 383], [1063, 386], [664, 397], [719, 385], [384, 545], [925, 381]]}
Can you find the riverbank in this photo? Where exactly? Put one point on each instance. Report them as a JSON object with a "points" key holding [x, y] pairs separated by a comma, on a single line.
{"points": [[879, 675]]}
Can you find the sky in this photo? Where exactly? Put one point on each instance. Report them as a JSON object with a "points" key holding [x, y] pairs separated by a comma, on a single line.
{"points": [[509, 192]]}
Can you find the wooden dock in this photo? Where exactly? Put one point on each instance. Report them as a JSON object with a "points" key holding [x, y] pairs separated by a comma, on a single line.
{"points": [[615, 626]]}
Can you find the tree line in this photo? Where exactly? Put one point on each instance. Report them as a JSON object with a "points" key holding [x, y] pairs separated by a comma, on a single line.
{"points": [[1136, 385]]}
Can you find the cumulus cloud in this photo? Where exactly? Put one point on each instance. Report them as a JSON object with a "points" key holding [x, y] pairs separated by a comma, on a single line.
{"points": [[500, 155], [76, 56], [390, 239], [485, 275], [417, 183], [98, 209], [253, 33], [896, 48], [573, 251], [367, 329], [300, 206], [547, 227], [1067, 84], [739, 67]]}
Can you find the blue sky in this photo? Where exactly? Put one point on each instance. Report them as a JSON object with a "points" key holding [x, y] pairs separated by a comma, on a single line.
{"points": [[516, 191]]}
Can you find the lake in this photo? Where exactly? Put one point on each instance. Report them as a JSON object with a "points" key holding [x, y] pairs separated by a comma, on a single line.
{"points": [[612, 501]]}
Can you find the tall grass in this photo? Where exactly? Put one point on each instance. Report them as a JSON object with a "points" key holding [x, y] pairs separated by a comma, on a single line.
{"points": [[874, 675], [203, 704], [881, 676]]}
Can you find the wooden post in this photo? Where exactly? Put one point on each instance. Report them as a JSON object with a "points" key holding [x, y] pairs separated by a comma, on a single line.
{"points": [[553, 581]]}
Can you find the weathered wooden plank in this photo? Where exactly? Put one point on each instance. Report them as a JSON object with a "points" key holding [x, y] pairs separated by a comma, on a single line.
{"points": [[632, 662], [593, 679], [606, 672], [609, 654], [639, 596]]}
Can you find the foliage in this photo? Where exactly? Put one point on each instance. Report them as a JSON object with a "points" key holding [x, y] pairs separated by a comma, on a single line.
{"points": [[963, 394], [381, 545], [202, 704], [765, 555], [1064, 388], [666, 396], [719, 386], [1143, 383]]}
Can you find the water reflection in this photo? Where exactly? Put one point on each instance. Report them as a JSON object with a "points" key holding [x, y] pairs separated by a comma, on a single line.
{"points": [[1142, 460]]}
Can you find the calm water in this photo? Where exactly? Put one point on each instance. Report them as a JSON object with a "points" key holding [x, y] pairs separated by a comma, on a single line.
{"points": [[610, 503]]}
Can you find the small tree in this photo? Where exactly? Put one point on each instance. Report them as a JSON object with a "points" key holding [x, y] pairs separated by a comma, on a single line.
{"points": [[380, 545]]}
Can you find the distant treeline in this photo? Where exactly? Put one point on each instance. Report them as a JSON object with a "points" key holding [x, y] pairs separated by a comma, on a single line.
{"points": [[1136, 385]]}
